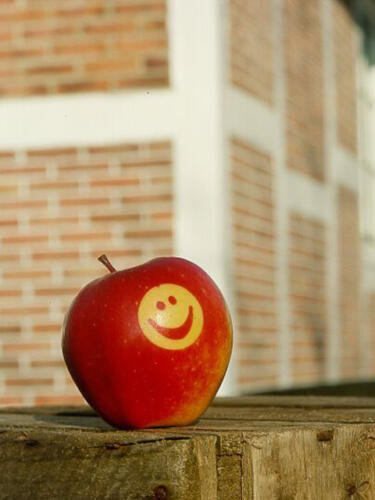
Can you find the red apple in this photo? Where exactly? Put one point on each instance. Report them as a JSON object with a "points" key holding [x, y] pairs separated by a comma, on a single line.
{"points": [[149, 346]]}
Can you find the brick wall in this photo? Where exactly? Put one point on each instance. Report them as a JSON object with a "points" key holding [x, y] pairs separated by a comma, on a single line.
{"points": [[349, 281], [254, 265], [345, 76], [304, 87], [251, 47], [59, 210], [251, 69], [49, 46], [307, 286]]}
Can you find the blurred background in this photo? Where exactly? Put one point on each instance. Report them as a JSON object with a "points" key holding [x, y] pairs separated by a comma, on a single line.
{"points": [[235, 133]]}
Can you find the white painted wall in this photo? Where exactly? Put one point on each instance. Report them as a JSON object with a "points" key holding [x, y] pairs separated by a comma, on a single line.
{"points": [[283, 195], [87, 118], [330, 138], [251, 119], [197, 41]]}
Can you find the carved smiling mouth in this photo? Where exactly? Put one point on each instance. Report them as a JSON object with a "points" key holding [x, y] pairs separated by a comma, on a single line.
{"points": [[178, 332]]}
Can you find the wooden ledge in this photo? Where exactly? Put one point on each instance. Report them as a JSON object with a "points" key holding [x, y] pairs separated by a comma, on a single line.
{"points": [[260, 447]]}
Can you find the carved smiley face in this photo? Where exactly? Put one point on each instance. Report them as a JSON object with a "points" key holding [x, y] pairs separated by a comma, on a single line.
{"points": [[170, 316]]}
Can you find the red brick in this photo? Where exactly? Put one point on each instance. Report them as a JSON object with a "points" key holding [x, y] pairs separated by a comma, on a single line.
{"points": [[147, 198], [10, 293], [110, 27], [8, 363], [49, 363], [151, 233], [10, 329], [9, 257], [24, 310], [23, 204], [161, 215], [144, 82], [79, 11], [54, 220], [59, 400], [21, 53], [114, 182], [23, 90], [114, 148], [145, 163], [48, 32], [115, 217], [82, 86], [55, 255], [84, 201], [252, 48], [24, 239], [125, 63], [14, 347], [133, 44], [27, 382], [153, 25], [61, 184], [22, 15], [50, 327], [51, 152], [50, 69], [11, 400], [8, 222], [156, 62], [22, 170], [143, 7], [86, 236], [7, 155]]}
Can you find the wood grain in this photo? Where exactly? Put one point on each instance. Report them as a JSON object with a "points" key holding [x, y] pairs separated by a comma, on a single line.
{"points": [[255, 448]]}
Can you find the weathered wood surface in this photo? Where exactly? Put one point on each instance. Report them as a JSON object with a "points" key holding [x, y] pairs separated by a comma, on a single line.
{"points": [[257, 448]]}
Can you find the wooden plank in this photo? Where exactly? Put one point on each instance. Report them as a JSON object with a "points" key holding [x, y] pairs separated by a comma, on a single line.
{"points": [[242, 448], [45, 464], [291, 414], [294, 401], [310, 465]]}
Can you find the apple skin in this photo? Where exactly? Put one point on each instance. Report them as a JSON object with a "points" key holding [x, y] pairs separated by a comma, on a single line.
{"points": [[130, 381]]}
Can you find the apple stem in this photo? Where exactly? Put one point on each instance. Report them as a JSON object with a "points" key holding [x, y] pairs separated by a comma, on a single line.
{"points": [[104, 260]]}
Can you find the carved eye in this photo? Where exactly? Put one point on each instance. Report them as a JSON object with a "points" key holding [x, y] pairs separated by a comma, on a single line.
{"points": [[172, 300], [160, 305]]}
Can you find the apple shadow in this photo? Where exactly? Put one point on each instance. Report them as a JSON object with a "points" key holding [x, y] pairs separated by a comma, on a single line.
{"points": [[84, 417], [80, 418]]}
